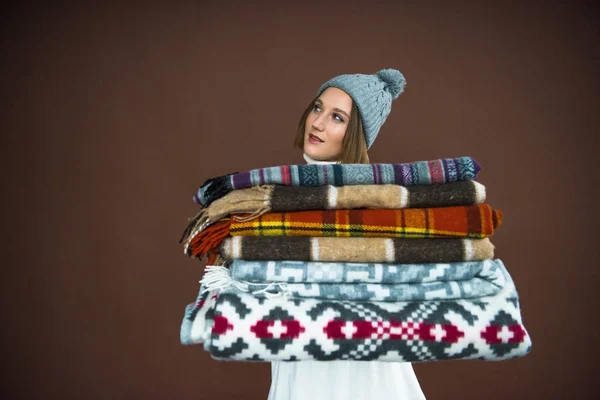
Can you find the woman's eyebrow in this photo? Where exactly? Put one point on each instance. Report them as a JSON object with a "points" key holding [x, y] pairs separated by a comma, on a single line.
{"points": [[341, 112], [335, 109]]}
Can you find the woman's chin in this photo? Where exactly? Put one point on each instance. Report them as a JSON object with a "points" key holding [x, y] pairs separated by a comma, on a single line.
{"points": [[314, 153]]}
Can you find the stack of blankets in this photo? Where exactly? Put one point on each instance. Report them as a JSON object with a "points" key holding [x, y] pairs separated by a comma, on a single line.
{"points": [[386, 262]]}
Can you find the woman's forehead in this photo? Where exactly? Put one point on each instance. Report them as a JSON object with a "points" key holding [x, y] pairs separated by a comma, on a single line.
{"points": [[336, 98]]}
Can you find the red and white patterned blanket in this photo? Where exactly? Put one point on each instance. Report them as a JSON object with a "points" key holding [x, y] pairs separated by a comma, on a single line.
{"points": [[235, 325]]}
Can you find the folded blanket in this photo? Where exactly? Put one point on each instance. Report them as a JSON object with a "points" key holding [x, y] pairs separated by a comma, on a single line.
{"points": [[488, 281], [259, 200], [478, 221], [249, 328], [346, 272], [374, 250], [193, 328], [444, 170], [329, 197]]}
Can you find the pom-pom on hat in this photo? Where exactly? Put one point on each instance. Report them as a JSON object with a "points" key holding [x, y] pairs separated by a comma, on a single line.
{"points": [[373, 95]]}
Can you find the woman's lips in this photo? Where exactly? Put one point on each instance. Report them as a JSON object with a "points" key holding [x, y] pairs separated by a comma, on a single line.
{"points": [[313, 139]]}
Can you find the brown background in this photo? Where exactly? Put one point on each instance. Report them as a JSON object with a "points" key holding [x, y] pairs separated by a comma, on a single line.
{"points": [[113, 116]]}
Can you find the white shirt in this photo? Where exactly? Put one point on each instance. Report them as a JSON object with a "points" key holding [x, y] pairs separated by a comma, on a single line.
{"points": [[343, 380]]}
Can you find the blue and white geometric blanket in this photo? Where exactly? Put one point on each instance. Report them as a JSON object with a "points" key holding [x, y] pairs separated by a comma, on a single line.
{"points": [[238, 325], [368, 281]]}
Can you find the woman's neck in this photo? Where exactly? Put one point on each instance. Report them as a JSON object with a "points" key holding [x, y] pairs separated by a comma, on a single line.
{"points": [[312, 161]]}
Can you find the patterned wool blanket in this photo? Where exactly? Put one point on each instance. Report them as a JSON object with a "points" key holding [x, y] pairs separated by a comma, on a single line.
{"points": [[262, 199], [374, 250], [450, 284], [444, 170], [345, 272], [478, 221], [240, 326]]}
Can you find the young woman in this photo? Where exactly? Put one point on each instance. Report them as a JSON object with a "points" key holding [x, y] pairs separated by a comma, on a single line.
{"points": [[339, 126]]}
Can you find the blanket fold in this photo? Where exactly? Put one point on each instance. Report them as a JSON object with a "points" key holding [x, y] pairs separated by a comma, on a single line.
{"points": [[357, 272], [356, 249], [477, 221], [430, 172], [241, 326], [385, 196], [258, 200], [449, 283]]}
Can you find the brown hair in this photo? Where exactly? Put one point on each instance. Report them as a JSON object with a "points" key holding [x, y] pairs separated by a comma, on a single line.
{"points": [[354, 145]]}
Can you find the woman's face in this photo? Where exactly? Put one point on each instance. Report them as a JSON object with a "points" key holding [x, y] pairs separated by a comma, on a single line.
{"points": [[326, 125]]}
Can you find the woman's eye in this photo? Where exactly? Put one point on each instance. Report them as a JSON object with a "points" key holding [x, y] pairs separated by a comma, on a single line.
{"points": [[338, 117], [316, 108]]}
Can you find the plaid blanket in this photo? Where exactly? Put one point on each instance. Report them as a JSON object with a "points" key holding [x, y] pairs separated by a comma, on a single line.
{"points": [[240, 326], [478, 221], [262, 199], [488, 281], [444, 170], [375, 250]]}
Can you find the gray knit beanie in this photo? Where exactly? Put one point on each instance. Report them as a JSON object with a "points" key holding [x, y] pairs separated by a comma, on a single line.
{"points": [[373, 95]]}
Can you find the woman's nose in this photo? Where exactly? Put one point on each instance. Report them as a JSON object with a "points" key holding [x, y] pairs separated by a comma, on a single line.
{"points": [[318, 123]]}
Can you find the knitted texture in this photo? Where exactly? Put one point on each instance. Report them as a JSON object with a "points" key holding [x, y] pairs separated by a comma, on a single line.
{"points": [[372, 94], [356, 249], [444, 170], [249, 328]]}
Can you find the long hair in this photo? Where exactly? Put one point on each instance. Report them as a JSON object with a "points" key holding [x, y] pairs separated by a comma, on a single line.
{"points": [[354, 145]]}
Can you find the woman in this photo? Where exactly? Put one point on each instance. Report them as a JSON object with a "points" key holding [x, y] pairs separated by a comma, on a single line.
{"points": [[339, 126]]}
